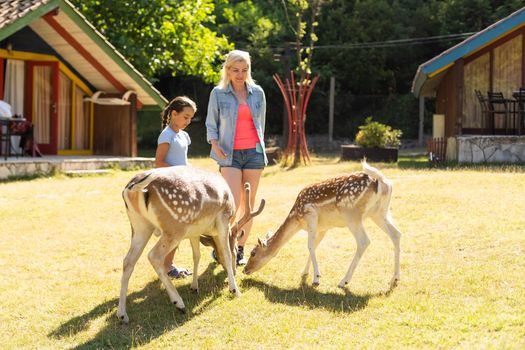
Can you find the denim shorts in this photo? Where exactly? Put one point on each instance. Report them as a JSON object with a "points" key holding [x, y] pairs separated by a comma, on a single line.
{"points": [[247, 159]]}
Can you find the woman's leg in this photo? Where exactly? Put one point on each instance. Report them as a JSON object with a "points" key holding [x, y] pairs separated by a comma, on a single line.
{"points": [[252, 176], [233, 177]]}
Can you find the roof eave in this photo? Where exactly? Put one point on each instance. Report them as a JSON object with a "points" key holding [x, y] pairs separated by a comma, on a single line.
{"points": [[443, 61], [111, 51]]}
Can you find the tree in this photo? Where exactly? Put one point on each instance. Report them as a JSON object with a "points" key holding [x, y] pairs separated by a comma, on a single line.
{"points": [[160, 36], [296, 92]]}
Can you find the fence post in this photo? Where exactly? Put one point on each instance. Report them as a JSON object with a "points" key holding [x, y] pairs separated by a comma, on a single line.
{"points": [[331, 110], [421, 120]]}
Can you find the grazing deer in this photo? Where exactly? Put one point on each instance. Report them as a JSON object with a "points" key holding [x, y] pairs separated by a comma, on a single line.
{"points": [[343, 201], [177, 203]]}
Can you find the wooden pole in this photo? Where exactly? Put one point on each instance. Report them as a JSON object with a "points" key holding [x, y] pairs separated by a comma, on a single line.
{"points": [[331, 110], [421, 120]]}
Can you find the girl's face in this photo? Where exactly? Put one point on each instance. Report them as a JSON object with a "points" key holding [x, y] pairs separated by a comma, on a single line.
{"points": [[180, 120], [238, 72]]}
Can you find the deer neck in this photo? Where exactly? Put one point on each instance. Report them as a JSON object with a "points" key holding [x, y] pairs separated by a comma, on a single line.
{"points": [[287, 230]]}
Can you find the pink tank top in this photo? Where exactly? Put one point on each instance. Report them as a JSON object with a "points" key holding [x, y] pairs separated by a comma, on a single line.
{"points": [[245, 133]]}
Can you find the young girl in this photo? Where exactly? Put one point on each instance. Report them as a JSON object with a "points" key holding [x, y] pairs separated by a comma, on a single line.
{"points": [[172, 149]]}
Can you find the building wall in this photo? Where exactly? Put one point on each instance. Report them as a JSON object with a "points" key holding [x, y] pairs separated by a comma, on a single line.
{"points": [[27, 40], [446, 101]]}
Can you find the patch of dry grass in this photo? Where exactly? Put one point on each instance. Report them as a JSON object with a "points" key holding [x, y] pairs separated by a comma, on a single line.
{"points": [[462, 266]]}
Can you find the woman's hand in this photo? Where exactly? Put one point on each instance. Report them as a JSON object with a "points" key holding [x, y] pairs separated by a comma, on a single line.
{"points": [[218, 151]]}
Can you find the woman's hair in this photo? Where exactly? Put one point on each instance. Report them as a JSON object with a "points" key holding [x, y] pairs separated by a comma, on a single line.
{"points": [[177, 104], [231, 58]]}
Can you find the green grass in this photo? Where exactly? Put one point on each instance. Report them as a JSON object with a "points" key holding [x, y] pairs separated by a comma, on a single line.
{"points": [[462, 267]]}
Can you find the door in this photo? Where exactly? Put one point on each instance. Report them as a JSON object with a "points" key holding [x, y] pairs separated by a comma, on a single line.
{"points": [[43, 91]]}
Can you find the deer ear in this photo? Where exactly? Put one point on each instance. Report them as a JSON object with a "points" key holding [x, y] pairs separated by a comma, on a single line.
{"points": [[259, 242]]}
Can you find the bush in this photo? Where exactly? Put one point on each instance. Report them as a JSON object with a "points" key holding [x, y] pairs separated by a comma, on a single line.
{"points": [[375, 134]]}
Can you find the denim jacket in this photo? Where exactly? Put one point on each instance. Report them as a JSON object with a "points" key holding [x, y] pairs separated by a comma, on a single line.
{"points": [[221, 120]]}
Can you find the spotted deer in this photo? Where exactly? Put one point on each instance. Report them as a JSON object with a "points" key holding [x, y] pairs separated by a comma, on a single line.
{"points": [[343, 201], [179, 203]]}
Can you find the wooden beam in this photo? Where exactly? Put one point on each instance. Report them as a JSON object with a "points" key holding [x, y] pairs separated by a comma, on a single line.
{"points": [[331, 110], [421, 120], [84, 53], [458, 82]]}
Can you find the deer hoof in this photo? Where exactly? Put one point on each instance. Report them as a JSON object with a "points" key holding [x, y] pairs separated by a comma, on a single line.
{"points": [[315, 284], [124, 318], [194, 289], [235, 292], [394, 282]]}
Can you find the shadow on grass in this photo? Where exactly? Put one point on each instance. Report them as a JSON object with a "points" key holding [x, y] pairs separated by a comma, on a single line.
{"points": [[305, 295], [150, 312]]}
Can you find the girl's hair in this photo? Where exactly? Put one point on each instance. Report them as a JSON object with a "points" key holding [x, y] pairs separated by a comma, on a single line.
{"points": [[177, 104], [231, 58]]}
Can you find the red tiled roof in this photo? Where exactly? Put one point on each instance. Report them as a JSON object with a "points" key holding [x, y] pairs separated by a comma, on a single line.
{"points": [[11, 10]]}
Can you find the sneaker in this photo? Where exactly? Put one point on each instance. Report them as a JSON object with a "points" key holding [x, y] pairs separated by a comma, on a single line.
{"points": [[179, 273], [240, 256]]}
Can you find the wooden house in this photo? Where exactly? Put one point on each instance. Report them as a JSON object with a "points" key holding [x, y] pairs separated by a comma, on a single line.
{"points": [[492, 60], [59, 72]]}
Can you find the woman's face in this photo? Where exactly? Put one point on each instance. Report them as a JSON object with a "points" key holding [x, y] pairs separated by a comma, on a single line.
{"points": [[238, 72], [180, 120]]}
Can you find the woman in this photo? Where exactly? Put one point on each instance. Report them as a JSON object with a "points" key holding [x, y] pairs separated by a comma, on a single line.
{"points": [[235, 130]]}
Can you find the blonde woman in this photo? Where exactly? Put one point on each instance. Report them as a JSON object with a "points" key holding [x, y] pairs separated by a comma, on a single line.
{"points": [[235, 130]]}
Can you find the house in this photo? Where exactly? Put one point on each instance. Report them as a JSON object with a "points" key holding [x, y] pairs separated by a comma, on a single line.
{"points": [[59, 72], [492, 60]]}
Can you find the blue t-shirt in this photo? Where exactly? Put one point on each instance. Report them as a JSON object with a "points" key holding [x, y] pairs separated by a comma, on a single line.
{"points": [[179, 142]]}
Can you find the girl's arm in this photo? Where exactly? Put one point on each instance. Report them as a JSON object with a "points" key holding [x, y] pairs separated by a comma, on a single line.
{"points": [[160, 155]]}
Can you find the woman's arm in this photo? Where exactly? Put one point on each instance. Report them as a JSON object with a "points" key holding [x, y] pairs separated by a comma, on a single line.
{"points": [[212, 119], [218, 151]]}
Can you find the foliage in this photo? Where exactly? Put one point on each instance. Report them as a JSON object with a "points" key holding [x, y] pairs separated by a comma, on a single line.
{"points": [[187, 38], [375, 134], [159, 36]]}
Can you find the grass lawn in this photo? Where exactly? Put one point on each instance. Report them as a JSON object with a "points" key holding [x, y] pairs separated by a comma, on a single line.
{"points": [[462, 270]]}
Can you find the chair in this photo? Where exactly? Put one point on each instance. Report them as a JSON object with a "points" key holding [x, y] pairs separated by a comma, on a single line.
{"points": [[24, 128], [520, 109], [5, 137], [483, 102], [498, 105], [437, 149]]}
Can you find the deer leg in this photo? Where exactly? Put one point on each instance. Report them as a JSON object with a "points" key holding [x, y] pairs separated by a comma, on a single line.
{"points": [[386, 223], [318, 238], [195, 247], [362, 243], [223, 246], [156, 257], [140, 237], [311, 219]]}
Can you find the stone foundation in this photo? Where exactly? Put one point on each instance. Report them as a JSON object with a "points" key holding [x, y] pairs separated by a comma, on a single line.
{"points": [[490, 149], [21, 167]]}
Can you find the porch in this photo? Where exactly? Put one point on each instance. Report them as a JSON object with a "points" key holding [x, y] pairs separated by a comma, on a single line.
{"points": [[47, 165]]}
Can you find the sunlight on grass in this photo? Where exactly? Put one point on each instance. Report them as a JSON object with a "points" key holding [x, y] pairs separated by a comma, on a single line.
{"points": [[462, 268]]}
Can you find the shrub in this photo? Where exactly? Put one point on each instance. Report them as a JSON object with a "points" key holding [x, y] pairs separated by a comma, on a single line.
{"points": [[375, 134]]}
